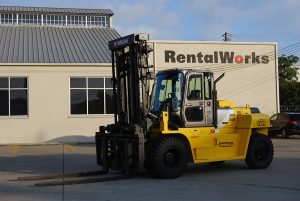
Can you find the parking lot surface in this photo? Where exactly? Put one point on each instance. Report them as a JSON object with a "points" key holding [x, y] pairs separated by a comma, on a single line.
{"points": [[230, 181]]}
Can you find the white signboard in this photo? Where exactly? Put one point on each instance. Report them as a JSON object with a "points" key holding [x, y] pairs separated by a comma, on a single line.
{"points": [[251, 75]]}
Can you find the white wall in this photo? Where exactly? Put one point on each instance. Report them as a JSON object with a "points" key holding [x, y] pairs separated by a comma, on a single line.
{"points": [[49, 117], [244, 83]]}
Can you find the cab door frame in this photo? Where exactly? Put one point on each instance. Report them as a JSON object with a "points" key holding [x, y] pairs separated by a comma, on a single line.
{"points": [[197, 109]]}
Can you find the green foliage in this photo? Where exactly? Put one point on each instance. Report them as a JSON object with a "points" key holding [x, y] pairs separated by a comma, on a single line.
{"points": [[289, 88], [289, 93]]}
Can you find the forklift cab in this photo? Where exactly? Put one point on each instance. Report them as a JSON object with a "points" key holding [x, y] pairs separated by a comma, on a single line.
{"points": [[186, 94]]}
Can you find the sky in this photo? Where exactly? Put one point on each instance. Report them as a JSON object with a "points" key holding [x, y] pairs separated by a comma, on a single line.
{"points": [[197, 20]]}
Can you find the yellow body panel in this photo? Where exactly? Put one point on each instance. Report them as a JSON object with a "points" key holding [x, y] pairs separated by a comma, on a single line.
{"points": [[225, 103], [230, 142]]}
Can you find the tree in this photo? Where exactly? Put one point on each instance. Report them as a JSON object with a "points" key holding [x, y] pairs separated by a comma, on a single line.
{"points": [[286, 70], [289, 88]]}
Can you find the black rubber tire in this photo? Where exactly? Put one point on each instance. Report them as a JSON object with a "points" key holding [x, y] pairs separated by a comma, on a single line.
{"points": [[168, 157], [260, 152], [284, 133], [148, 150]]}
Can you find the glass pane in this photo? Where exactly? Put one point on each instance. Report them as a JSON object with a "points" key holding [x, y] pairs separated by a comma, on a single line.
{"points": [[20, 82], [18, 102], [3, 82], [194, 114], [109, 101], [96, 101], [295, 117], [78, 101], [95, 82], [78, 83], [4, 103], [195, 88], [207, 86], [167, 85], [108, 83]]}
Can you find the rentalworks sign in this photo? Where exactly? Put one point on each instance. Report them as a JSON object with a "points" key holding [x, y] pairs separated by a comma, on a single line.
{"points": [[224, 57]]}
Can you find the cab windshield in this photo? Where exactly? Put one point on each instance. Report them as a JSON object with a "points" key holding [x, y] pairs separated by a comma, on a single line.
{"points": [[167, 85]]}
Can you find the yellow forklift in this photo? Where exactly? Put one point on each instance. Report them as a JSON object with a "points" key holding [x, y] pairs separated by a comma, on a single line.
{"points": [[181, 121]]}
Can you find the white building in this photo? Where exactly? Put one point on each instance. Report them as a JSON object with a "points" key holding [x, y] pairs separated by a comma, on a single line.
{"points": [[55, 70]]}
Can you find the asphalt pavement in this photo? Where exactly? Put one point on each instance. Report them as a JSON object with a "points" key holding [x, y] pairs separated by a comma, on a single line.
{"points": [[230, 181]]}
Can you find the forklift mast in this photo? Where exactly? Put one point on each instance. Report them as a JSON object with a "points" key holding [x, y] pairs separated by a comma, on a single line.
{"points": [[120, 146], [130, 70]]}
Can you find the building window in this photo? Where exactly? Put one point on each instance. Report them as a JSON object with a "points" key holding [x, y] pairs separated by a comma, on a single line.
{"points": [[91, 95], [97, 21], [6, 18], [29, 19], [54, 20], [76, 20], [13, 96]]}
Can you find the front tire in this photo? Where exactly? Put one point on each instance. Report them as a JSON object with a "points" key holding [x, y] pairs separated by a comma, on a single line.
{"points": [[168, 157], [260, 152]]}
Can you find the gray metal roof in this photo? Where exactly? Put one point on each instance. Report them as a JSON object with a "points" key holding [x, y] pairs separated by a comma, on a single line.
{"points": [[37, 44], [19, 9]]}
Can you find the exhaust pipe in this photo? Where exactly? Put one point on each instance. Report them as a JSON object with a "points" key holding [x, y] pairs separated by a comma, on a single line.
{"points": [[215, 99]]}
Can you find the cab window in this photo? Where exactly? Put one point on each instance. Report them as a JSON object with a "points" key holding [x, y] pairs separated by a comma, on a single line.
{"points": [[195, 88], [207, 86]]}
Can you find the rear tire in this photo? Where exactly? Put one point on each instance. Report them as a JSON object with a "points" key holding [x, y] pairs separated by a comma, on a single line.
{"points": [[168, 157], [260, 152]]}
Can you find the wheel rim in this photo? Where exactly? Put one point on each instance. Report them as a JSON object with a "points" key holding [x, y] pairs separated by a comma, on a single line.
{"points": [[261, 151], [172, 157]]}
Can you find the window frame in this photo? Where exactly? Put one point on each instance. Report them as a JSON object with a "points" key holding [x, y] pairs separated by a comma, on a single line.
{"points": [[76, 20], [87, 88], [9, 96], [97, 21], [54, 20], [8, 18], [29, 19]]}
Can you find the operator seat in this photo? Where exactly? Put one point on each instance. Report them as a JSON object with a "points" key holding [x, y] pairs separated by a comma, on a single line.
{"points": [[195, 94]]}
